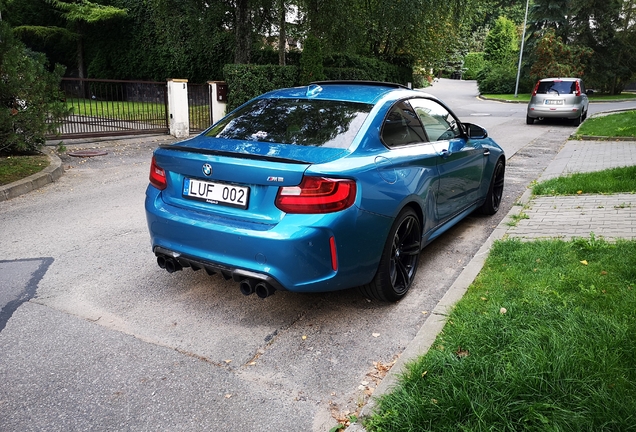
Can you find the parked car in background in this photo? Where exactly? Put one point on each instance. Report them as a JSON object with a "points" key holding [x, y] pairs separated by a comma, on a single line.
{"points": [[321, 188], [558, 98]]}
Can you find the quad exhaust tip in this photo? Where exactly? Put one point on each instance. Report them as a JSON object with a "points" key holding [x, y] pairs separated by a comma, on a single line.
{"points": [[247, 286], [261, 288], [169, 264]]}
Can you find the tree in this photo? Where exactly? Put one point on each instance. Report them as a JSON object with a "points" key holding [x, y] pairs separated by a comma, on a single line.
{"points": [[311, 67], [501, 43], [608, 28], [29, 96], [556, 59], [78, 14]]}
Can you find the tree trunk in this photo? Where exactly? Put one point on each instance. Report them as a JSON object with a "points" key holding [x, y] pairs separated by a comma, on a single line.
{"points": [[242, 34]]}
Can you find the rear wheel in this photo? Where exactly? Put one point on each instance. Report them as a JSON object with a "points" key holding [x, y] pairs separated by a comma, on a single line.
{"points": [[398, 263], [529, 120], [580, 119], [495, 190]]}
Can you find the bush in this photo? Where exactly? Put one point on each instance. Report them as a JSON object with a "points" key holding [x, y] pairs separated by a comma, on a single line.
{"points": [[497, 78], [473, 63], [374, 69], [29, 94], [347, 74], [311, 67], [248, 81]]}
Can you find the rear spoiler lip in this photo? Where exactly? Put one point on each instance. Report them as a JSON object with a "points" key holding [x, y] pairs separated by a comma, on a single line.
{"points": [[232, 154]]}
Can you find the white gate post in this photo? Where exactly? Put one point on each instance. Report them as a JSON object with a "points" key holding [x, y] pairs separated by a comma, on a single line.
{"points": [[178, 108], [218, 100]]}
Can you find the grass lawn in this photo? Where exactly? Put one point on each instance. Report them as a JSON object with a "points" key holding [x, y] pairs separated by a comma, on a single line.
{"points": [[13, 168], [613, 125], [615, 180], [544, 339], [525, 97]]}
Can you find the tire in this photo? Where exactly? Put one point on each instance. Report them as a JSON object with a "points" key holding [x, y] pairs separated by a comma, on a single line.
{"points": [[398, 263], [529, 120], [577, 121], [495, 190]]}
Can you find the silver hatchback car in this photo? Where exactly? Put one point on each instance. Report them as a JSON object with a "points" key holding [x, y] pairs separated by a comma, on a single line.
{"points": [[558, 98]]}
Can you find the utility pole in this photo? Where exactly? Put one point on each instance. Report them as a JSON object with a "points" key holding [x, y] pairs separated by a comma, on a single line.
{"points": [[523, 39]]}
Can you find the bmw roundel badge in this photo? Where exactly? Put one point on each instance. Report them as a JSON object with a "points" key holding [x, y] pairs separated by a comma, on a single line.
{"points": [[207, 169]]}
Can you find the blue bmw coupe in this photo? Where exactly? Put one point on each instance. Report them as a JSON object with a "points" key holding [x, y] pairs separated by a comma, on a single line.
{"points": [[321, 188]]}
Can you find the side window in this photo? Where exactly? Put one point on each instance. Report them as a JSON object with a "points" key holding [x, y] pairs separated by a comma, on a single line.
{"points": [[401, 126], [439, 124]]}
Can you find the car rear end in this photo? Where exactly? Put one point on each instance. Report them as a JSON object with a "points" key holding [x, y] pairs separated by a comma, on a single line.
{"points": [[260, 212], [558, 98]]}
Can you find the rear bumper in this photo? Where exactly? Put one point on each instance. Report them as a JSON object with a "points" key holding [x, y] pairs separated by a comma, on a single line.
{"points": [[293, 254], [543, 111]]}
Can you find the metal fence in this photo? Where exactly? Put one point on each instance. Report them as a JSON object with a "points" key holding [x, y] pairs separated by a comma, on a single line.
{"points": [[113, 107], [199, 106]]}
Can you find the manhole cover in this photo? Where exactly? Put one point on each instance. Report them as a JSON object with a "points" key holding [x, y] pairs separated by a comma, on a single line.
{"points": [[87, 153]]}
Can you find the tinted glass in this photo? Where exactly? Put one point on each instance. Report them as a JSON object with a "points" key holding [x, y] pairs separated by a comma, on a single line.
{"points": [[295, 121], [438, 122], [401, 126], [558, 87]]}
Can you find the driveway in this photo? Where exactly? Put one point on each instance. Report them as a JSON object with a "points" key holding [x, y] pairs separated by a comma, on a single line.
{"points": [[100, 338]]}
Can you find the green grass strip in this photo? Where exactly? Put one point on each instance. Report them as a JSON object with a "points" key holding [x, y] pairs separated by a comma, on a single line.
{"points": [[614, 180], [613, 125], [13, 168], [544, 340]]}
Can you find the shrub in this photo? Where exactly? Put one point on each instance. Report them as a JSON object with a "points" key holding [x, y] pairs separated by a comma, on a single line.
{"points": [[248, 81], [473, 63], [311, 67], [497, 78], [29, 94]]}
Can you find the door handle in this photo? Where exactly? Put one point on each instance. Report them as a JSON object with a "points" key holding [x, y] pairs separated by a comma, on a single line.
{"points": [[486, 152]]}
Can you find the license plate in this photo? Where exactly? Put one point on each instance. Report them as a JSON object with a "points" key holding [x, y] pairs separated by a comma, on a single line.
{"points": [[216, 193], [553, 102]]}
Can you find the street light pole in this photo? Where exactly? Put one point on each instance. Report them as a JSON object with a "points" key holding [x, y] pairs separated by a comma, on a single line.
{"points": [[523, 39]]}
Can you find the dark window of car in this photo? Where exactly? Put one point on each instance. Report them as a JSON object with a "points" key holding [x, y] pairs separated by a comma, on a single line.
{"points": [[557, 87], [305, 122], [402, 127], [438, 122]]}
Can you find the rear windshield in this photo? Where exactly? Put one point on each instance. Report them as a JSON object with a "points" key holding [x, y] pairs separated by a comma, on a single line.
{"points": [[295, 121], [560, 87]]}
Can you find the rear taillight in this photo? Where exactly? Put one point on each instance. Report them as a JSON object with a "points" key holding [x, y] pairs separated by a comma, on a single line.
{"points": [[157, 176], [317, 195], [536, 87], [578, 89]]}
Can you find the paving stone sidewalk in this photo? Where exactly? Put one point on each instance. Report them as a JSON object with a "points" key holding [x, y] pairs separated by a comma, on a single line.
{"points": [[608, 216]]}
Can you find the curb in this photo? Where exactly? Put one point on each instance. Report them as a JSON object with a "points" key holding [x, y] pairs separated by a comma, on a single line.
{"points": [[48, 175], [436, 321]]}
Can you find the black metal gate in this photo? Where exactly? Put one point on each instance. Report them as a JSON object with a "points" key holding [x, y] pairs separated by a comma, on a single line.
{"points": [[112, 107], [199, 107]]}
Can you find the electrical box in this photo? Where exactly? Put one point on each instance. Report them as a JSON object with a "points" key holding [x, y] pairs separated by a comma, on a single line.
{"points": [[221, 92]]}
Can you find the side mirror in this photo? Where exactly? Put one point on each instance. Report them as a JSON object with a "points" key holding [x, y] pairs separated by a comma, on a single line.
{"points": [[475, 132]]}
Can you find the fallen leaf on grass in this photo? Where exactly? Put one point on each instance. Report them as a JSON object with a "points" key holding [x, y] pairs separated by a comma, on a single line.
{"points": [[584, 262]]}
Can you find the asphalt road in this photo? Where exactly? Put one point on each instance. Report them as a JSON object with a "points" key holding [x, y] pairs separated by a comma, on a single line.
{"points": [[94, 336]]}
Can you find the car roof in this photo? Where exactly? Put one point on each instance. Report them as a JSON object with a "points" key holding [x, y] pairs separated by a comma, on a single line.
{"points": [[351, 91]]}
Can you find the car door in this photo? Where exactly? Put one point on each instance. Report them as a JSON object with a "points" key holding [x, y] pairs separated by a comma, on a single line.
{"points": [[460, 162]]}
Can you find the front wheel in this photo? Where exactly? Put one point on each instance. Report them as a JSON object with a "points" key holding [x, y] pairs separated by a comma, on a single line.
{"points": [[495, 190], [398, 263]]}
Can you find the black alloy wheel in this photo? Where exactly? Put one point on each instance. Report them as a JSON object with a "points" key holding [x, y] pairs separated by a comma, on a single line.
{"points": [[398, 264], [495, 190]]}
